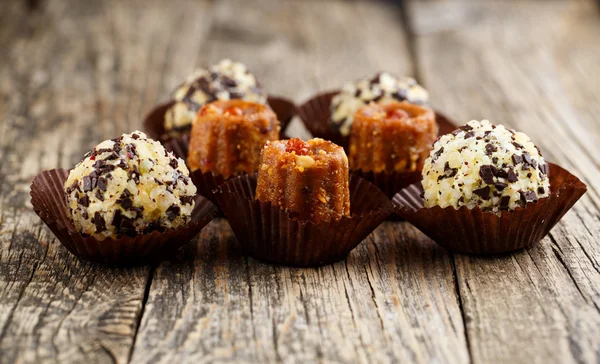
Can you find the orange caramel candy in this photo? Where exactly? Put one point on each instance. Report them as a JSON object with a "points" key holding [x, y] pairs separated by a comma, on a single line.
{"points": [[394, 137], [307, 179], [227, 136]]}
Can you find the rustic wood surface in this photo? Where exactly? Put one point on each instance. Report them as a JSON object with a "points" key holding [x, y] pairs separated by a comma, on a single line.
{"points": [[73, 73]]}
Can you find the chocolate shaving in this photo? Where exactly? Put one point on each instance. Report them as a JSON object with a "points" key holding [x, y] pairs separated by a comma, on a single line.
{"points": [[526, 158], [487, 173], [102, 183], [448, 172], [87, 184], [483, 192], [437, 154], [173, 211], [517, 159], [125, 203], [500, 186], [512, 177], [501, 173], [504, 201], [527, 196], [84, 201], [174, 163], [469, 135], [98, 220], [544, 168], [187, 200], [489, 149]]}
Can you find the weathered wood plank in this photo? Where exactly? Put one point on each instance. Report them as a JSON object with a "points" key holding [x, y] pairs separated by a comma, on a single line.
{"points": [[213, 304], [73, 74], [531, 67]]}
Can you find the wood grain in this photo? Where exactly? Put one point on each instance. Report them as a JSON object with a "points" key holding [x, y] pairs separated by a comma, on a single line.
{"points": [[533, 68], [74, 73]]}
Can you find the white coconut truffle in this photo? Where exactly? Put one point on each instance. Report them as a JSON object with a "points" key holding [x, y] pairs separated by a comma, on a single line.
{"points": [[383, 89], [224, 81], [485, 165], [129, 185]]}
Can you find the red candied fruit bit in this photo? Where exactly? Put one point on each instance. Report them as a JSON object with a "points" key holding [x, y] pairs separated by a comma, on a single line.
{"points": [[397, 114], [234, 110], [298, 146], [207, 109]]}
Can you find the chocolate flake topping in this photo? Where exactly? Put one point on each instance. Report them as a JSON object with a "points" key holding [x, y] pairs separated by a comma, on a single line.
{"points": [[502, 173], [527, 158], [469, 134], [512, 177], [174, 163], [84, 201], [102, 183], [437, 154], [87, 184], [544, 168], [448, 172], [489, 149], [500, 186], [98, 220], [125, 203], [487, 173], [134, 174], [527, 196], [483, 192], [188, 200], [173, 211], [517, 159], [504, 201]]}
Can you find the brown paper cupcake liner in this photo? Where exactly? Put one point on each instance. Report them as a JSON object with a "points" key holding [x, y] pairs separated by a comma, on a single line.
{"points": [[315, 113], [390, 182], [477, 232], [154, 123], [47, 198], [267, 233]]}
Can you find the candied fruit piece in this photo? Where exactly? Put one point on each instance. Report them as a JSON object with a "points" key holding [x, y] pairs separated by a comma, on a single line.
{"points": [[298, 146]]}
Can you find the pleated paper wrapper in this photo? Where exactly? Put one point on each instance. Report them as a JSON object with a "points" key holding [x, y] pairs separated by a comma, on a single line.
{"points": [[49, 203], [475, 231]]}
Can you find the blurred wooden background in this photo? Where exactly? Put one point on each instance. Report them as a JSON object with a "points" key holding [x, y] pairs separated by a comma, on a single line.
{"points": [[73, 73]]}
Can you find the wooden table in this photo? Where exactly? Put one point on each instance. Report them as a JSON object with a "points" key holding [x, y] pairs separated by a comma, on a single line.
{"points": [[73, 73]]}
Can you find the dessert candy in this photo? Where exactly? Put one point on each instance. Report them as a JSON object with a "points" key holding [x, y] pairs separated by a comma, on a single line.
{"points": [[226, 80], [394, 137], [484, 165], [227, 137], [126, 186], [267, 232], [309, 180], [382, 89]]}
